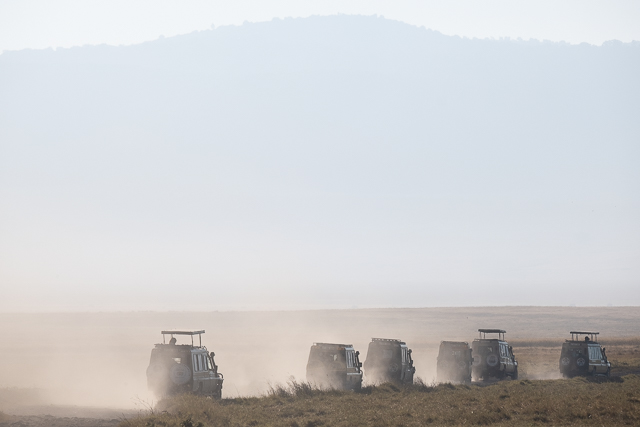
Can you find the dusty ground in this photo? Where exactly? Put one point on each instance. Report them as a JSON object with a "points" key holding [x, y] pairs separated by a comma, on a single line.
{"points": [[80, 363]]}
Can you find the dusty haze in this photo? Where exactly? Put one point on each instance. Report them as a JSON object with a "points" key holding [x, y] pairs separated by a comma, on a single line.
{"points": [[99, 359]]}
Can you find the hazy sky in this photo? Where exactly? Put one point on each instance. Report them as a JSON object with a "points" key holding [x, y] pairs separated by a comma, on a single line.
{"points": [[333, 161], [65, 23]]}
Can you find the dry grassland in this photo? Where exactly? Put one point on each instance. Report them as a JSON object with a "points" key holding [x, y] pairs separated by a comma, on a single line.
{"points": [[578, 401]]}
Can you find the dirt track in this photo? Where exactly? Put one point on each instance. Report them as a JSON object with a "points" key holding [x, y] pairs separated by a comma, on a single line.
{"points": [[63, 416], [50, 421]]}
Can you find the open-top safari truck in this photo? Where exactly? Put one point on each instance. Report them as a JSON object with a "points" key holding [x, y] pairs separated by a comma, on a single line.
{"points": [[583, 356], [493, 357], [183, 368]]}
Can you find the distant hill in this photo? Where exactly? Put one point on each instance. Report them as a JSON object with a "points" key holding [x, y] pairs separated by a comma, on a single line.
{"points": [[370, 150]]}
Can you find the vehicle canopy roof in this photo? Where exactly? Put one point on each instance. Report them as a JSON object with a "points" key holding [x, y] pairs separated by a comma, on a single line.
{"points": [[189, 333], [575, 335], [483, 333]]}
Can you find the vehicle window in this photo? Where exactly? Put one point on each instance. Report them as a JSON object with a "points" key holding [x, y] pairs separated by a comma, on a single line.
{"points": [[404, 355], [207, 363], [594, 353], [199, 365], [177, 359], [349, 359]]}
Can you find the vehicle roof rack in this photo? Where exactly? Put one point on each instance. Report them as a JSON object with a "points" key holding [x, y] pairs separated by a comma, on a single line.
{"points": [[332, 343], [191, 333], [483, 333], [575, 335], [386, 340]]}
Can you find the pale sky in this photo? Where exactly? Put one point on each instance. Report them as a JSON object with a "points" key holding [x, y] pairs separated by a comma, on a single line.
{"points": [[335, 161], [38, 24]]}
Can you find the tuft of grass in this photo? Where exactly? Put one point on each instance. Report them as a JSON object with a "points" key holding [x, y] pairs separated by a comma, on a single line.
{"points": [[293, 388]]}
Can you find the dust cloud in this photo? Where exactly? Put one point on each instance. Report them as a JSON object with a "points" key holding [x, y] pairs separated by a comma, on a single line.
{"points": [[100, 359]]}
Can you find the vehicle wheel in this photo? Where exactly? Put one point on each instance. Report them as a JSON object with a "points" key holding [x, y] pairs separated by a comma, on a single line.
{"points": [[492, 360], [565, 361], [179, 374], [609, 371], [514, 376], [394, 367], [581, 362]]}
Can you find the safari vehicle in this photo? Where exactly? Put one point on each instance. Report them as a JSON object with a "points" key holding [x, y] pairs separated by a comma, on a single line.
{"points": [[493, 357], [583, 356], [334, 366], [389, 361], [454, 362], [183, 368]]}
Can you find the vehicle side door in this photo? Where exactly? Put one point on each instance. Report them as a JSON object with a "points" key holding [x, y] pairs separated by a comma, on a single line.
{"points": [[596, 359], [407, 365], [505, 357], [353, 369], [201, 375]]}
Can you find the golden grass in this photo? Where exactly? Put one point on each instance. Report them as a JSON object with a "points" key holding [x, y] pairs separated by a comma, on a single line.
{"points": [[579, 401]]}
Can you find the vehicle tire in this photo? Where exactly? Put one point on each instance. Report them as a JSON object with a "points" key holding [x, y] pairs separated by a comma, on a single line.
{"points": [[608, 371], [394, 367], [492, 360], [179, 374], [565, 361], [514, 376], [581, 362]]}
